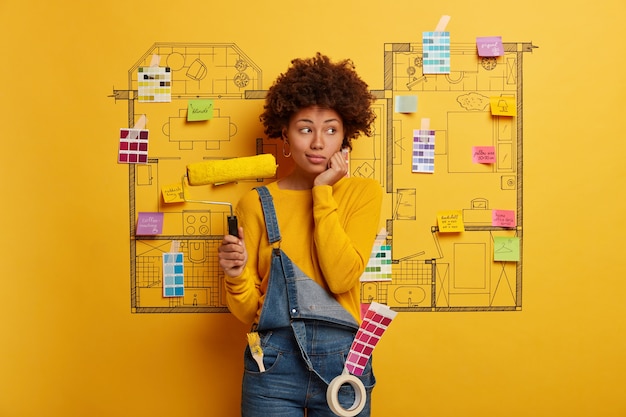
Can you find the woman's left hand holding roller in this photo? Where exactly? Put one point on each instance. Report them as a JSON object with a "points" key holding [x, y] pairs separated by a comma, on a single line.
{"points": [[233, 255]]}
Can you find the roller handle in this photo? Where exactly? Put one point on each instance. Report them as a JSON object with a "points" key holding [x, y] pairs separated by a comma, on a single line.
{"points": [[233, 227]]}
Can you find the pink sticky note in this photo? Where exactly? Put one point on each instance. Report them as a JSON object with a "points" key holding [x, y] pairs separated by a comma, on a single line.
{"points": [[503, 218], [484, 154], [489, 46], [149, 224]]}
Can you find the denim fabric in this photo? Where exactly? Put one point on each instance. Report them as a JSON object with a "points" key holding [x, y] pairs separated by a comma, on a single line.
{"points": [[305, 336], [288, 386], [305, 299]]}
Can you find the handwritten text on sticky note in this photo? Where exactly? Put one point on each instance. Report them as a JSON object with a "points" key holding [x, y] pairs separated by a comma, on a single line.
{"points": [[198, 110], [149, 223], [173, 193], [489, 46], [503, 218], [484, 154], [450, 221]]}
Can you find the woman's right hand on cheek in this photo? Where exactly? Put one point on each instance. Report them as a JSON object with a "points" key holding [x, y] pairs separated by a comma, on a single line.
{"points": [[233, 255]]}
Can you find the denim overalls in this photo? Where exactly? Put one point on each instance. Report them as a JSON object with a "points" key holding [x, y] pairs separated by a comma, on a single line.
{"points": [[305, 336]]}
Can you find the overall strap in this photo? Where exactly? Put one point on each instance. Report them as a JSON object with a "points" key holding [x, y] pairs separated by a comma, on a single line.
{"points": [[271, 223]]}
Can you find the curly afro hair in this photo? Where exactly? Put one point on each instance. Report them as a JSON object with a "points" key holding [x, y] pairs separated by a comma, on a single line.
{"points": [[319, 82]]}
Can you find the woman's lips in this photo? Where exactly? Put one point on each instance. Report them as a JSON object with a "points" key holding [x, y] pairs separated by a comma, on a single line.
{"points": [[316, 159]]}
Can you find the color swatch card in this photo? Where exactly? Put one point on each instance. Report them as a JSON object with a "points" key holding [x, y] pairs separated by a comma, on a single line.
{"points": [[154, 84], [173, 275], [378, 267], [436, 52], [133, 146], [376, 320], [423, 151]]}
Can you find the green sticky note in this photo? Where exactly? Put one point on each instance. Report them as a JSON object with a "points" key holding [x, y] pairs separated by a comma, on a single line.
{"points": [[406, 104], [506, 248], [201, 109]]}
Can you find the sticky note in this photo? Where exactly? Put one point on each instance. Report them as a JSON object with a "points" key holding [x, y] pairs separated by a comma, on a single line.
{"points": [[506, 248], [173, 193], [489, 46], [149, 223], [503, 106], [503, 218], [450, 221], [406, 104], [199, 110], [483, 154]]}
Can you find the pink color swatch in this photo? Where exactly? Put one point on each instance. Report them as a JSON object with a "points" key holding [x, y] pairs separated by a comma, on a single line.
{"points": [[375, 322], [133, 146]]}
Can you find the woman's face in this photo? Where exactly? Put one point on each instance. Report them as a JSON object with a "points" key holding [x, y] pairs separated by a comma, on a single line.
{"points": [[314, 134]]}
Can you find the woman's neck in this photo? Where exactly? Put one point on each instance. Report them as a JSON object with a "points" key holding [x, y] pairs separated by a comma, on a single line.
{"points": [[296, 181]]}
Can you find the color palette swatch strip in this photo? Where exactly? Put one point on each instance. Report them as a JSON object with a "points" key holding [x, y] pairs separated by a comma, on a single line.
{"points": [[379, 266], [377, 319], [436, 52], [173, 274], [154, 85], [423, 151], [133, 146]]}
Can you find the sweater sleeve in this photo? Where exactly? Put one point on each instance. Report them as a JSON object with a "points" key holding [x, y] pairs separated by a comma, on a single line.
{"points": [[243, 294], [344, 234]]}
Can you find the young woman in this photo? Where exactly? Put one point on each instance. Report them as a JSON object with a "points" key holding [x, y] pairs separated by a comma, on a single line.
{"points": [[304, 241]]}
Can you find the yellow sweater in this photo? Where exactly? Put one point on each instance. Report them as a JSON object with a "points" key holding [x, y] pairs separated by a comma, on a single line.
{"points": [[328, 232]]}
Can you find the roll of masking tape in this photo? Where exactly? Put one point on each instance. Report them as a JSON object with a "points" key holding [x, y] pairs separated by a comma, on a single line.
{"points": [[332, 395]]}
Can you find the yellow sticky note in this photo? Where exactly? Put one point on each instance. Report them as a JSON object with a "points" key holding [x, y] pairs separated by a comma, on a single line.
{"points": [[172, 193], [201, 109], [450, 221], [503, 106]]}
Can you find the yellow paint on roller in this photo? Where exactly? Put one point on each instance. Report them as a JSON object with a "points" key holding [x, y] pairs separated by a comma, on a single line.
{"points": [[229, 170]]}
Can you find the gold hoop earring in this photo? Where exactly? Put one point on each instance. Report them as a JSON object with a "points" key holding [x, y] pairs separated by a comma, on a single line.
{"points": [[285, 154]]}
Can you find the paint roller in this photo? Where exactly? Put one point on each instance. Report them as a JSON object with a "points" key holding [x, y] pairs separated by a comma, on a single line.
{"points": [[222, 171]]}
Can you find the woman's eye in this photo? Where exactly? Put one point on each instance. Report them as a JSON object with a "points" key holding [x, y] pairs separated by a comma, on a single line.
{"points": [[306, 130], [331, 130]]}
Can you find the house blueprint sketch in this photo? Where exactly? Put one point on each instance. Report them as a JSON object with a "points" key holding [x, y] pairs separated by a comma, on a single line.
{"points": [[431, 270]]}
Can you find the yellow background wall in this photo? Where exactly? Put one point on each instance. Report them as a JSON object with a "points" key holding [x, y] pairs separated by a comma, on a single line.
{"points": [[69, 344]]}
